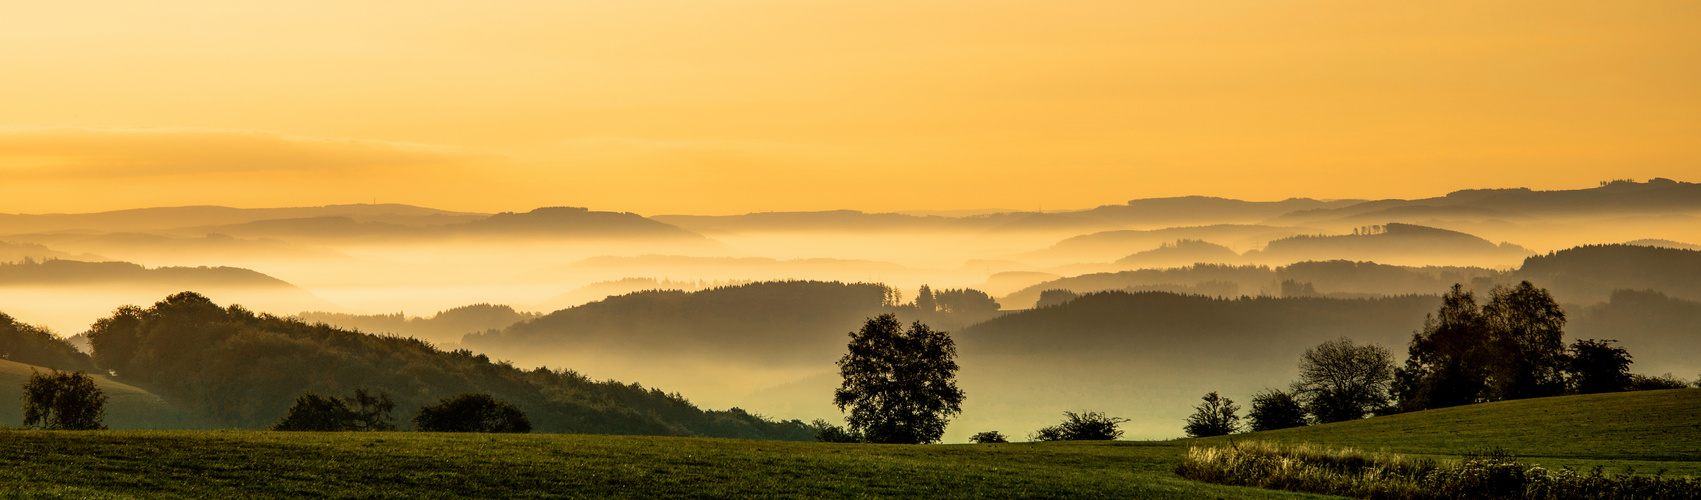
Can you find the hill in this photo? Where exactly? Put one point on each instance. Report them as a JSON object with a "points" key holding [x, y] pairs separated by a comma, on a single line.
{"points": [[445, 326], [127, 406], [239, 369], [1181, 253], [547, 222], [1109, 245], [1657, 196], [1662, 333], [165, 218], [1392, 243], [1588, 274], [1645, 426], [1335, 278], [55, 272], [770, 323]]}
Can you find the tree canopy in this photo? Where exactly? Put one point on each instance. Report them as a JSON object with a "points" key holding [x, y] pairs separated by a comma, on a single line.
{"points": [[899, 385]]}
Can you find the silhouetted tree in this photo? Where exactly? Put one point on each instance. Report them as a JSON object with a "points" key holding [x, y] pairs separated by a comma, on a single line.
{"points": [[900, 386], [1596, 366], [1214, 417], [471, 412], [1275, 409], [363, 412], [989, 437], [1342, 381], [1448, 360], [1054, 297], [59, 400], [1084, 426], [966, 302], [1526, 328], [925, 301]]}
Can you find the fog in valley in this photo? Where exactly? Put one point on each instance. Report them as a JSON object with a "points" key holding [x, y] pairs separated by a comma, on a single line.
{"points": [[1135, 309]]}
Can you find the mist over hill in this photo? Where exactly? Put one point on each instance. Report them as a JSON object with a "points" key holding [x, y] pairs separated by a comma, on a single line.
{"points": [[1392, 243], [444, 327], [766, 323], [1616, 197], [1111, 245], [237, 368], [547, 222]]}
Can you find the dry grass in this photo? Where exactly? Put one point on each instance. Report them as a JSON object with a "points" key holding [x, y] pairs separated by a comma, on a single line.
{"points": [[1355, 473]]}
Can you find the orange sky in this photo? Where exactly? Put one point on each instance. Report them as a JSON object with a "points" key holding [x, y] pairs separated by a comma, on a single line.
{"points": [[750, 105]]}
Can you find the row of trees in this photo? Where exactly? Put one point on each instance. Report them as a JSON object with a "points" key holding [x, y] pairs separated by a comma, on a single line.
{"points": [[1511, 347]]}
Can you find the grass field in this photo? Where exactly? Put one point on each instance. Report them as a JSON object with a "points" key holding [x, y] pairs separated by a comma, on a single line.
{"points": [[1648, 431], [249, 463]]}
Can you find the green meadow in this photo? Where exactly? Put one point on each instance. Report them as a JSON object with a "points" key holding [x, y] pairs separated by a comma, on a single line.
{"points": [[1645, 430]]}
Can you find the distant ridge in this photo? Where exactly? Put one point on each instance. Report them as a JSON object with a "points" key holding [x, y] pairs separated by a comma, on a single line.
{"points": [[162, 218]]}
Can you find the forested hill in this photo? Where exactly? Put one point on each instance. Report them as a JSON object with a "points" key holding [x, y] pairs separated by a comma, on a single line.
{"points": [[241, 369], [1591, 273], [72, 272], [766, 323]]}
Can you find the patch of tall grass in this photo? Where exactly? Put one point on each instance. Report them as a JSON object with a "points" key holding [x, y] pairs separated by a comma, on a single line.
{"points": [[1491, 474]]}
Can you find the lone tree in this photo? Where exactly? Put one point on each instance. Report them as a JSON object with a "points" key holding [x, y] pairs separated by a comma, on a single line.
{"points": [[59, 400], [1275, 409], [472, 413], [1340, 381], [1214, 417], [363, 412], [900, 386]]}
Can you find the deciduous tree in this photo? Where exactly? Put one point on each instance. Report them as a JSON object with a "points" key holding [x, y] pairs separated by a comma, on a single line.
{"points": [[899, 386]]}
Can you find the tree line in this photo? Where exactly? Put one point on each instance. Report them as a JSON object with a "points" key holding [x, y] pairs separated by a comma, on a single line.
{"points": [[1509, 347]]}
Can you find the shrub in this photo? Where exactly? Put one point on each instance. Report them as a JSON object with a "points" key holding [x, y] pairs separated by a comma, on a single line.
{"points": [[1493, 474], [1214, 417], [363, 412], [989, 437], [472, 413], [63, 401], [826, 432], [1649, 383], [1085, 426]]}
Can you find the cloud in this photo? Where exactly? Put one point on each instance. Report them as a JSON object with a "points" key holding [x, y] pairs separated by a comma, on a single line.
{"points": [[72, 153]]}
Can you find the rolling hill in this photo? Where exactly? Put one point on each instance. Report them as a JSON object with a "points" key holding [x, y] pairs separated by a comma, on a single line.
{"points": [[127, 406], [1644, 426]]}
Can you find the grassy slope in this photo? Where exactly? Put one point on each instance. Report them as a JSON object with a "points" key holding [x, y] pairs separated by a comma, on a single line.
{"points": [[249, 463], [1649, 430], [127, 407]]}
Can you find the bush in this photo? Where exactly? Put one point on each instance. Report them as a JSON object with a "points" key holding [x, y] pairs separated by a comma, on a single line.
{"points": [[1648, 383], [363, 412], [826, 432], [989, 437], [472, 413], [59, 400], [1085, 426]]}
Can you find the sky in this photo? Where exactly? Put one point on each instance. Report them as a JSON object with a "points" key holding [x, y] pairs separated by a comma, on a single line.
{"points": [[737, 106]]}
